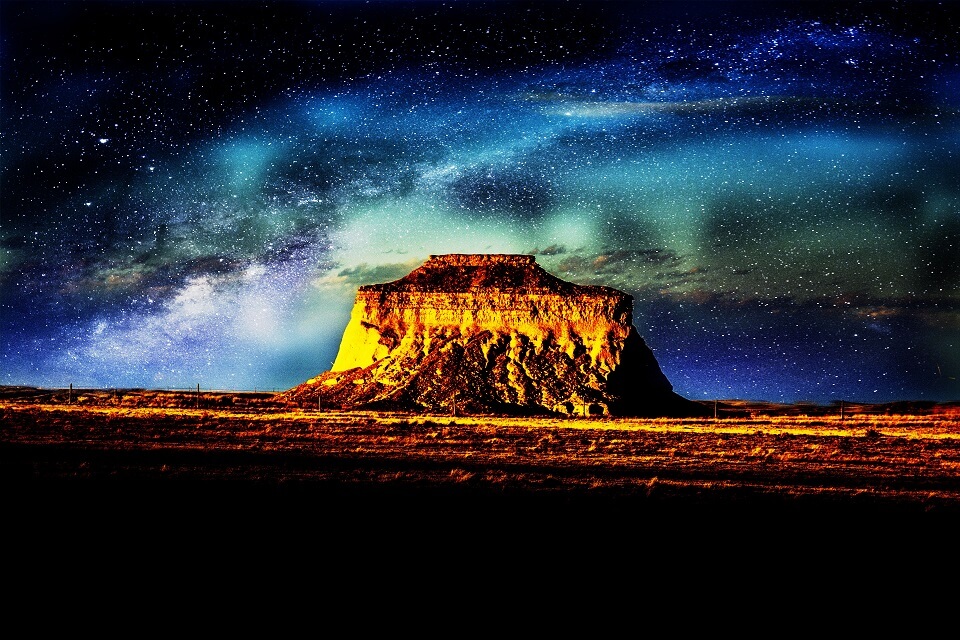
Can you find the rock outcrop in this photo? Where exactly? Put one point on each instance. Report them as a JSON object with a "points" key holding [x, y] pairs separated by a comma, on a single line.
{"points": [[493, 333]]}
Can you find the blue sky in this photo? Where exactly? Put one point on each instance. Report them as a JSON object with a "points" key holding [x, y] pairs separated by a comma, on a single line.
{"points": [[191, 192]]}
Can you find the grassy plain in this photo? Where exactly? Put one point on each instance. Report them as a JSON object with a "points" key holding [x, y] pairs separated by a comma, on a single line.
{"points": [[243, 452]]}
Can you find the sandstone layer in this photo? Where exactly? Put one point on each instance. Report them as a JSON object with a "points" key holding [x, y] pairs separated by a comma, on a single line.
{"points": [[493, 333]]}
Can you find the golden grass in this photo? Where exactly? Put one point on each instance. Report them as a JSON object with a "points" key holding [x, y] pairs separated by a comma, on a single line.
{"points": [[945, 425], [909, 458]]}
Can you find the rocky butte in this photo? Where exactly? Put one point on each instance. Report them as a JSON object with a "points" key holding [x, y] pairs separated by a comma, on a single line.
{"points": [[493, 333]]}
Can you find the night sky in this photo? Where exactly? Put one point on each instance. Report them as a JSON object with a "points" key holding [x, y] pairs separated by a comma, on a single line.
{"points": [[191, 193]]}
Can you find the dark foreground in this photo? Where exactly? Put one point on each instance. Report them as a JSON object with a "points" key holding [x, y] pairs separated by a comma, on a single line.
{"points": [[130, 472], [63, 487], [137, 509]]}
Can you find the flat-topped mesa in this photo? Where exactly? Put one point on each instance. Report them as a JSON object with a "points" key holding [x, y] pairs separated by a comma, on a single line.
{"points": [[473, 293], [493, 333]]}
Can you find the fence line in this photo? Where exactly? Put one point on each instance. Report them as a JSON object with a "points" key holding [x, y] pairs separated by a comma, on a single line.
{"points": [[8, 389], [719, 409], [179, 397]]}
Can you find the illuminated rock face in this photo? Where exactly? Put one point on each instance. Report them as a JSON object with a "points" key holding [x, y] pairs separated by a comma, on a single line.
{"points": [[493, 334]]}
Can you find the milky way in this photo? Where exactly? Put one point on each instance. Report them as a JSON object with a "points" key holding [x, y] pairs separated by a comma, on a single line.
{"points": [[192, 192]]}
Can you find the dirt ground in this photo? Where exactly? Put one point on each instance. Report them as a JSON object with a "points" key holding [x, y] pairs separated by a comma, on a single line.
{"points": [[112, 459]]}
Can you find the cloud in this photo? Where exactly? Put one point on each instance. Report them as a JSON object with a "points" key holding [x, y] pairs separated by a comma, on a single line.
{"points": [[552, 250], [375, 274]]}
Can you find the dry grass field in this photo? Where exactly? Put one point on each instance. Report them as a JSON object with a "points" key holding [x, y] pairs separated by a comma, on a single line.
{"points": [[179, 488], [240, 453]]}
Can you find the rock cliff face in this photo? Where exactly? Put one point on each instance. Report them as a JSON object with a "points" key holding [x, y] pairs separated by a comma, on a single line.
{"points": [[493, 334]]}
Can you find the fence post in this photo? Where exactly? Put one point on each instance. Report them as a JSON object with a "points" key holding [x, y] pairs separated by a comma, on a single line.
{"points": [[70, 395]]}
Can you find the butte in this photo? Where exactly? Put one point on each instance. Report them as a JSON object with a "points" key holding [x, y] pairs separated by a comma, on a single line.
{"points": [[493, 334]]}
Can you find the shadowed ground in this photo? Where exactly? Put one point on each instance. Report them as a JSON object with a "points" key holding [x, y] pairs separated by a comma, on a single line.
{"points": [[250, 468]]}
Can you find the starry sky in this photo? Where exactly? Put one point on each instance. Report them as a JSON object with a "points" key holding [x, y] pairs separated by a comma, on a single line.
{"points": [[191, 192]]}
